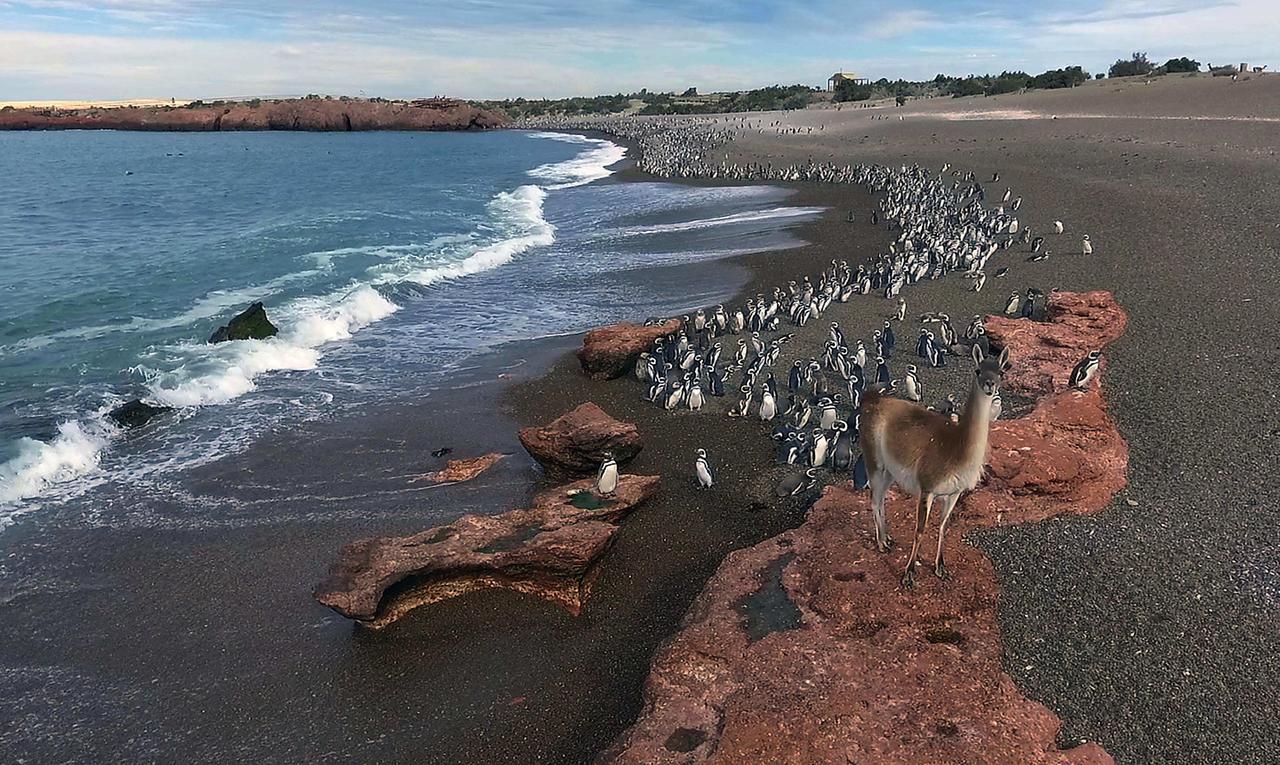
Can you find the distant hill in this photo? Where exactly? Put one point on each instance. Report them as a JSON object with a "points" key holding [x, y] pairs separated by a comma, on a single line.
{"points": [[311, 113]]}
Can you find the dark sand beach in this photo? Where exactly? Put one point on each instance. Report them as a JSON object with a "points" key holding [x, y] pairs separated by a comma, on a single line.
{"points": [[1150, 628]]}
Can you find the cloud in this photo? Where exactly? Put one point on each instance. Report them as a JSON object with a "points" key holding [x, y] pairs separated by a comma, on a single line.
{"points": [[899, 23]]}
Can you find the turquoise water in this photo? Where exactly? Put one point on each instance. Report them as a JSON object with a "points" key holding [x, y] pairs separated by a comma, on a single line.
{"points": [[385, 259]]}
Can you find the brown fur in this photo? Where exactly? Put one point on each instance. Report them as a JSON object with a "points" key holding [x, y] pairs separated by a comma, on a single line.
{"points": [[927, 453]]}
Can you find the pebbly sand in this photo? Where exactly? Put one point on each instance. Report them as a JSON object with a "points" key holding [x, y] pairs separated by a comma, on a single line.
{"points": [[1150, 629]]}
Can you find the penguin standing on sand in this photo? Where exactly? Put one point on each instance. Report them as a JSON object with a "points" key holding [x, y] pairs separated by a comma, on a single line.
{"points": [[842, 449], [882, 370], [818, 447], [1011, 307], [997, 406], [901, 313], [1058, 227], [706, 479], [768, 405], [860, 478], [1086, 246], [911, 384], [1085, 370], [715, 379], [696, 399], [1037, 244], [607, 476]]}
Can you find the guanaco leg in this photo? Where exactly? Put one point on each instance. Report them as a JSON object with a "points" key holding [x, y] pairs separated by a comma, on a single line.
{"points": [[948, 503], [880, 482], [923, 508]]}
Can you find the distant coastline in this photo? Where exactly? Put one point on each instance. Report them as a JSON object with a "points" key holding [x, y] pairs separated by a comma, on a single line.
{"points": [[308, 114]]}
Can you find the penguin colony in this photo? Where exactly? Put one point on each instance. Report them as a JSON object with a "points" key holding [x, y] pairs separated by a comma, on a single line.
{"points": [[737, 354]]}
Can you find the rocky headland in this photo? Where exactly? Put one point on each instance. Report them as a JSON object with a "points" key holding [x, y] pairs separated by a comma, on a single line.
{"points": [[312, 114]]}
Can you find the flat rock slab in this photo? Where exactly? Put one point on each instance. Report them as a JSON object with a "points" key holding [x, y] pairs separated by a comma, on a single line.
{"points": [[611, 351], [549, 550], [574, 444], [804, 649], [459, 470]]}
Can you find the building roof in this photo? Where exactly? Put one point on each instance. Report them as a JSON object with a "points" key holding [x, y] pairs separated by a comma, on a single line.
{"points": [[844, 75]]}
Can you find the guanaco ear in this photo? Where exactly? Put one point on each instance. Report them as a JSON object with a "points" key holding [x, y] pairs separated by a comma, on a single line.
{"points": [[977, 354], [1004, 359]]}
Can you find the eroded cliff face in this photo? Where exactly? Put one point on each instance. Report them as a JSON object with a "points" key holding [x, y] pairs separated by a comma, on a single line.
{"points": [[805, 649], [314, 114]]}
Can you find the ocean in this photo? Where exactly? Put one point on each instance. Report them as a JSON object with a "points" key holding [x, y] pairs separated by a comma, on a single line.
{"points": [[389, 262]]}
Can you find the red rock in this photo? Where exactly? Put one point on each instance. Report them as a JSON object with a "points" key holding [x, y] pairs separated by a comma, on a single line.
{"points": [[575, 443], [611, 351], [548, 550], [1044, 353], [271, 114], [457, 471], [804, 649]]}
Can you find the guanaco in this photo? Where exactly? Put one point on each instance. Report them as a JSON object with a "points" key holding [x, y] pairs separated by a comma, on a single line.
{"points": [[927, 454]]}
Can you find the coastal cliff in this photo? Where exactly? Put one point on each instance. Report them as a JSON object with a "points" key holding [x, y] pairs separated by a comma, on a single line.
{"points": [[312, 114]]}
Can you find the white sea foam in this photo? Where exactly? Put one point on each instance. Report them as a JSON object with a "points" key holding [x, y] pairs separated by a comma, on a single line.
{"points": [[73, 452], [752, 216], [590, 165]]}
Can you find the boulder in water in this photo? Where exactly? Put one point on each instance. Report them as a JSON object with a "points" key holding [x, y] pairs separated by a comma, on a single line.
{"points": [[575, 444], [135, 413], [250, 324]]}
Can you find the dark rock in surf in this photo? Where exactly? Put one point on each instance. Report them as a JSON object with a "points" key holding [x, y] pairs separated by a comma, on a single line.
{"points": [[250, 324], [135, 413]]}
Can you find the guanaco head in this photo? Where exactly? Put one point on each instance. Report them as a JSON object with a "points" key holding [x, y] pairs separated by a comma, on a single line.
{"points": [[990, 370]]}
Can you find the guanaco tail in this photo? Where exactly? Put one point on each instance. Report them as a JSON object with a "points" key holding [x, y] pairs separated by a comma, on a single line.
{"points": [[927, 454]]}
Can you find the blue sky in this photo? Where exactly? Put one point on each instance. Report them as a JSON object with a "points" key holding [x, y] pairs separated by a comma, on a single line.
{"points": [[115, 49]]}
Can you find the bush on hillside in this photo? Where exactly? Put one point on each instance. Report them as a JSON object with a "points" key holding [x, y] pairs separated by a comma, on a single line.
{"points": [[1180, 65], [1137, 64]]}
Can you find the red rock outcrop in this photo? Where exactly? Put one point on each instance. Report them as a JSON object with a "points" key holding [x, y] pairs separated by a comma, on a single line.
{"points": [[1076, 322], [575, 443], [611, 351], [805, 649], [548, 550], [457, 471], [317, 114]]}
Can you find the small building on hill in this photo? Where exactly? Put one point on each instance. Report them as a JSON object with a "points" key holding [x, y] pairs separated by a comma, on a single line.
{"points": [[836, 79]]}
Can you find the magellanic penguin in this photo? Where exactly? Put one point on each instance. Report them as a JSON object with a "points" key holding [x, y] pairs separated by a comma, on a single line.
{"points": [[607, 476], [696, 399], [860, 478], [768, 405], [1086, 246], [797, 484], [818, 448], [842, 449], [703, 470], [1058, 227], [997, 405], [1085, 370], [911, 384]]}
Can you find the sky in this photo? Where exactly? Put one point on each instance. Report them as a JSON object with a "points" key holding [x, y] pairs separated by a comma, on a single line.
{"points": [[121, 49]]}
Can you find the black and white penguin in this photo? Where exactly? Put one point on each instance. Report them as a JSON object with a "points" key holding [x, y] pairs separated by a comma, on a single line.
{"points": [[1002, 272], [911, 389], [1085, 370], [702, 469], [1037, 244], [607, 476], [797, 484], [715, 379], [1086, 246], [1058, 228], [695, 399], [768, 405], [819, 446], [860, 478], [842, 448], [882, 371]]}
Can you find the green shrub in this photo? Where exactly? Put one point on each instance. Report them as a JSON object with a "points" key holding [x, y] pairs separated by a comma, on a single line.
{"points": [[1136, 65]]}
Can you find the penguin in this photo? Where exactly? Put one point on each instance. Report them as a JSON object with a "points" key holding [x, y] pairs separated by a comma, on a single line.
{"points": [[827, 414], [882, 370], [1086, 246], [1002, 273], [979, 280], [713, 355], [860, 478], [695, 398], [702, 469], [1058, 227], [643, 367], [911, 384], [1028, 306], [818, 448], [674, 396], [768, 405], [716, 381], [1039, 258], [923, 341], [890, 339], [1084, 371], [1037, 244], [997, 405], [607, 476], [796, 484], [842, 449], [901, 313]]}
